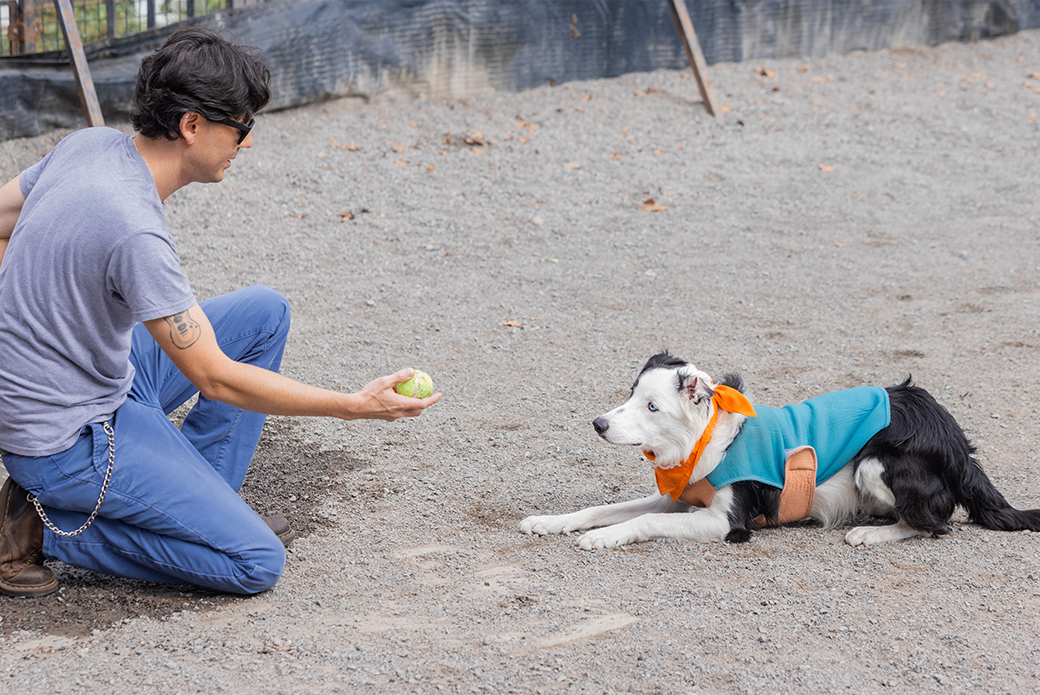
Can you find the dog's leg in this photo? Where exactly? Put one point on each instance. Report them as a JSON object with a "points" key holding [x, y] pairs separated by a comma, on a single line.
{"points": [[879, 496], [602, 515], [711, 524], [871, 535]]}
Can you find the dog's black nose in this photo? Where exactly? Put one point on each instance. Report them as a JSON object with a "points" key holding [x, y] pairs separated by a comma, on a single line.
{"points": [[601, 424]]}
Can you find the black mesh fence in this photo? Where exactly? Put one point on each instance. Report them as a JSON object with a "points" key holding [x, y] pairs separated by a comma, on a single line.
{"points": [[319, 49]]}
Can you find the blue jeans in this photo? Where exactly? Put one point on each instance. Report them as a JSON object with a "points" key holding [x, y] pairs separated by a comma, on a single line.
{"points": [[172, 513]]}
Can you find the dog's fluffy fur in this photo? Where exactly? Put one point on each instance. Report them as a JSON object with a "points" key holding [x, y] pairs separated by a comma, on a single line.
{"points": [[915, 471]]}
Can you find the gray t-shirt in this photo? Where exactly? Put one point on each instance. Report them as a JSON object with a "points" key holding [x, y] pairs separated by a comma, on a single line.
{"points": [[89, 258]]}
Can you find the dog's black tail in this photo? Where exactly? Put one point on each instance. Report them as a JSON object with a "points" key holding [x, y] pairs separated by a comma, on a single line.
{"points": [[987, 507]]}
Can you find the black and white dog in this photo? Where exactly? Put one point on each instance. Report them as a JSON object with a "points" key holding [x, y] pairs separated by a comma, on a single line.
{"points": [[913, 466]]}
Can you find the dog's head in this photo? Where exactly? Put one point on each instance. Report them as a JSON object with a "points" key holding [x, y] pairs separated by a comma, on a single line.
{"points": [[668, 410]]}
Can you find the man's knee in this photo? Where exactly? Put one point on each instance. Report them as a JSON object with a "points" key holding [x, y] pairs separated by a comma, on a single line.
{"points": [[261, 567], [273, 306]]}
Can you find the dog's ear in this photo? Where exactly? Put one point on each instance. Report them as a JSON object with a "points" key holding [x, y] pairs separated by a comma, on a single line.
{"points": [[696, 388]]}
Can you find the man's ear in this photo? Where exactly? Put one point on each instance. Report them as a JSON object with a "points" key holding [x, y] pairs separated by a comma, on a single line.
{"points": [[696, 389], [189, 125]]}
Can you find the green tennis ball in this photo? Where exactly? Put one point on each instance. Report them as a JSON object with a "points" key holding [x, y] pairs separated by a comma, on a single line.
{"points": [[419, 386]]}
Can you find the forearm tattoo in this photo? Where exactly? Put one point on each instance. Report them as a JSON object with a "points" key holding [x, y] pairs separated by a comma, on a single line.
{"points": [[183, 330]]}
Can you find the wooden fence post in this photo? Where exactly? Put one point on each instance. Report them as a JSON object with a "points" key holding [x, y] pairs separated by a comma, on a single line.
{"points": [[693, 52], [80, 69]]}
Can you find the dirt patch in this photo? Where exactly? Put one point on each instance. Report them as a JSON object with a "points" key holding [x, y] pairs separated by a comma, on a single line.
{"points": [[286, 478]]}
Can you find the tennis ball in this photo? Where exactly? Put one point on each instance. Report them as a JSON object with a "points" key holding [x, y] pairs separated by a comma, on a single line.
{"points": [[419, 386]]}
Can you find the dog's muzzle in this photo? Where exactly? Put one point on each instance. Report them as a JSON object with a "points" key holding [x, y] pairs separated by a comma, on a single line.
{"points": [[601, 424]]}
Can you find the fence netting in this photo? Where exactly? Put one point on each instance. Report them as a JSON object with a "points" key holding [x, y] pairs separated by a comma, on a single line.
{"points": [[319, 49]]}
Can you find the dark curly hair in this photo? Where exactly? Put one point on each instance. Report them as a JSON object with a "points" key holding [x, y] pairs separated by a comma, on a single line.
{"points": [[201, 71]]}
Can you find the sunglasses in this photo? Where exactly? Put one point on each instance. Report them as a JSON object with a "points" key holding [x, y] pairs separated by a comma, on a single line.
{"points": [[243, 128]]}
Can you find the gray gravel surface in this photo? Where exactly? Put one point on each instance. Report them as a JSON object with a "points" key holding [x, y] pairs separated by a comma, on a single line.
{"points": [[850, 220]]}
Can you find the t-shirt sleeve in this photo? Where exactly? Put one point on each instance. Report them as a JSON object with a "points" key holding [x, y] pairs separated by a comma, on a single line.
{"points": [[145, 272], [28, 178]]}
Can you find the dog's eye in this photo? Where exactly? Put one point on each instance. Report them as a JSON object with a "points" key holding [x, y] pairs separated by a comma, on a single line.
{"points": [[651, 407]]}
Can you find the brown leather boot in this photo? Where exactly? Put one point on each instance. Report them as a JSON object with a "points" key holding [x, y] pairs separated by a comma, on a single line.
{"points": [[281, 528], [22, 572]]}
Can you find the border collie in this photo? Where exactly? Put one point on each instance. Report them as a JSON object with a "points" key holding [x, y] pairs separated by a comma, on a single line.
{"points": [[725, 467]]}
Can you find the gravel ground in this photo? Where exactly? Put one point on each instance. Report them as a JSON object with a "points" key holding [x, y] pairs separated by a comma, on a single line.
{"points": [[850, 220]]}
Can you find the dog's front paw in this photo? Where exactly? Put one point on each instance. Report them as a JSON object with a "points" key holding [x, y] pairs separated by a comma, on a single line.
{"points": [[548, 525], [600, 539]]}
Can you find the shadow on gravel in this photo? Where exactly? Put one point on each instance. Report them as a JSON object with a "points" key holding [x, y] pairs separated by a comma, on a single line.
{"points": [[284, 479]]}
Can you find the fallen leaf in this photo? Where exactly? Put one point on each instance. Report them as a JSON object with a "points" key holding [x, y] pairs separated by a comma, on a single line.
{"points": [[826, 169], [727, 107], [398, 148], [658, 151], [649, 205], [572, 165], [587, 97], [900, 65], [819, 80], [380, 127], [838, 243], [765, 72], [513, 324], [401, 162], [429, 168], [477, 150], [804, 68], [344, 216], [574, 31], [648, 92], [617, 155], [1035, 74]]}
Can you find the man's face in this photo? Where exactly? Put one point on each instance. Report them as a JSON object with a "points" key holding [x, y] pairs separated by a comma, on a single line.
{"points": [[215, 145]]}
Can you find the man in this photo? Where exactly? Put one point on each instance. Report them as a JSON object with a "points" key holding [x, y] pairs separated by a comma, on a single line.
{"points": [[101, 337]]}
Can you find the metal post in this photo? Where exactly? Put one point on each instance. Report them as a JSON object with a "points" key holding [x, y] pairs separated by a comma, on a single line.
{"points": [[30, 26], [151, 14], [80, 69], [110, 18]]}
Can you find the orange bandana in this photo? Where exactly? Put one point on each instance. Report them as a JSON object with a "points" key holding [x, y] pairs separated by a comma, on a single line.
{"points": [[672, 481]]}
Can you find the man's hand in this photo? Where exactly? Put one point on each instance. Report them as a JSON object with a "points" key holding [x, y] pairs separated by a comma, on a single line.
{"points": [[379, 400]]}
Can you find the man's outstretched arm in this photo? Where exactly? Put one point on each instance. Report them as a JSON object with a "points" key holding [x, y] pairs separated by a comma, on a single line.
{"points": [[188, 340]]}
